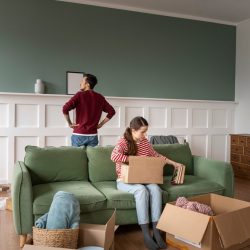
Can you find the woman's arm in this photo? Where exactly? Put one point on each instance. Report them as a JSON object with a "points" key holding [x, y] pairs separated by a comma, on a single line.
{"points": [[167, 160], [118, 153]]}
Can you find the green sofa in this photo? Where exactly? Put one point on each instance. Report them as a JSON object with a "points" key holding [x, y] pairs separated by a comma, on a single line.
{"points": [[90, 175]]}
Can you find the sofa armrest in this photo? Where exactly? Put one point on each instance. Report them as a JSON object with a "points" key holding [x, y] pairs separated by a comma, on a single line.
{"points": [[216, 171], [22, 199]]}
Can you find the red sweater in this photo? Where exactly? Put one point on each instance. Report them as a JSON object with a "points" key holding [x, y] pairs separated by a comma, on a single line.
{"points": [[89, 106], [144, 148]]}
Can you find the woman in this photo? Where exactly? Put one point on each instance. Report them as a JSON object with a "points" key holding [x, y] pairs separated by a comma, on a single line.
{"points": [[134, 142]]}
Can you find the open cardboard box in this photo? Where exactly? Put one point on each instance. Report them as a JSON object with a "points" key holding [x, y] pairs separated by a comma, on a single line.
{"points": [[228, 229], [89, 235], [143, 169]]}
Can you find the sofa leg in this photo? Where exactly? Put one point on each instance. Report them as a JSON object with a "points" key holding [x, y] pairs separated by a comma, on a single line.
{"points": [[22, 240]]}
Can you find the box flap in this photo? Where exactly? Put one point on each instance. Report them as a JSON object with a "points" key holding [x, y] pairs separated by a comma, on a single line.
{"points": [[96, 234], [223, 204], [183, 223], [110, 231], [146, 161], [233, 227], [91, 235]]}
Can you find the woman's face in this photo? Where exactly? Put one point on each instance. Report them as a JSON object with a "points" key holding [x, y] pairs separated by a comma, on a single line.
{"points": [[140, 133]]}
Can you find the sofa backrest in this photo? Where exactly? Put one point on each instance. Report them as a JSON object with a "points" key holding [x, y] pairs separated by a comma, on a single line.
{"points": [[101, 168], [52, 164], [177, 152]]}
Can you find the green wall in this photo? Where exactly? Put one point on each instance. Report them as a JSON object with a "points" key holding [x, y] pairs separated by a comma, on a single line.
{"points": [[132, 54]]}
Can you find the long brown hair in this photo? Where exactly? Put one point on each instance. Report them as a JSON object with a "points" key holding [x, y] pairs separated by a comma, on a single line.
{"points": [[136, 123]]}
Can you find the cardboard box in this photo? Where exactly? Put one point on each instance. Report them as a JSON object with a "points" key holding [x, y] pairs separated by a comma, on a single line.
{"points": [[228, 229], [4, 190], [89, 235], [143, 169], [9, 204]]}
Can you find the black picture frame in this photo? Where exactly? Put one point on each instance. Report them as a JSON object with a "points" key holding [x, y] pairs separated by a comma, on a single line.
{"points": [[73, 80]]}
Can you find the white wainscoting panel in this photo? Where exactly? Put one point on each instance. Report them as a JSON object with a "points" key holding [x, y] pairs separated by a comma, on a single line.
{"points": [[219, 147], [4, 158], [107, 140], [157, 117], [21, 142], [219, 118], [179, 118], [36, 119], [56, 141], [26, 116], [131, 112], [4, 111], [199, 145], [200, 118], [54, 117], [115, 122]]}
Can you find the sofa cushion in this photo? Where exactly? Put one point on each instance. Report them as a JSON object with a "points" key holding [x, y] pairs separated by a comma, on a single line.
{"points": [[101, 168], [51, 164], [177, 152], [117, 198], [89, 197], [192, 186]]}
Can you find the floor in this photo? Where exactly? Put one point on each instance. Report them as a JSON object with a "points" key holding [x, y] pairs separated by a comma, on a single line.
{"points": [[126, 237]]}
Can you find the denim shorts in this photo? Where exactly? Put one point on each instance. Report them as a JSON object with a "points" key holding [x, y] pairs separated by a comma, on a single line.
{"points": [[79, 140]]}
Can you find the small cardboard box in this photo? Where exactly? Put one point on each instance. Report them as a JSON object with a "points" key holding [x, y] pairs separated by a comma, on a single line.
{"points": [[89, 235], [228, 229], [143, 169], [9, 204]]}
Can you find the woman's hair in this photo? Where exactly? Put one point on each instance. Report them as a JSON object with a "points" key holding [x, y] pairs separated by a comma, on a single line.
{"points": [[136, 123]]}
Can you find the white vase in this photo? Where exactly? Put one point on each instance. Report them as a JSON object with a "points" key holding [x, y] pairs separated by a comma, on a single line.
{"points": [[39, 87]]}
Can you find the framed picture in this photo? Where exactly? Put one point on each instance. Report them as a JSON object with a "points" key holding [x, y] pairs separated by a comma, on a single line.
{"points": [[73, 80]]}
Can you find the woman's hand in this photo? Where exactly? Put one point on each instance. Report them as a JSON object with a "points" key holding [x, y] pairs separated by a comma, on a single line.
{"points": [[177, 165], [127, 161]]}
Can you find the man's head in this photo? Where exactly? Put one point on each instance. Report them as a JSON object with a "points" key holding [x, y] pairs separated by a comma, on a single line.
{"points": [[88, 82]]}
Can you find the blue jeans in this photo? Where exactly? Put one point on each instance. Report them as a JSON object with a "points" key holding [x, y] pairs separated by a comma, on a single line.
{"points": [[145, 196], [64, 212], [79, 140]]}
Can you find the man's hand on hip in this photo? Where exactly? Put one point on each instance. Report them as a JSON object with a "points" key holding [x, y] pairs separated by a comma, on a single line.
{"points": [[73, 125]]}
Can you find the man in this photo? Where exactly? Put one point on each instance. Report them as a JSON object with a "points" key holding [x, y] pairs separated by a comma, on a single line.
{"points": [[89, 106]]}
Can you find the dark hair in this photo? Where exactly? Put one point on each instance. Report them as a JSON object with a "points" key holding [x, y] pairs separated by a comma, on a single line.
{"points": [[91, 79], [136, 123]]}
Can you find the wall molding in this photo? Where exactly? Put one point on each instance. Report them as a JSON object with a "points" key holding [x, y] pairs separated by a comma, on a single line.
{"points": [[148, 11], [37, 119]]}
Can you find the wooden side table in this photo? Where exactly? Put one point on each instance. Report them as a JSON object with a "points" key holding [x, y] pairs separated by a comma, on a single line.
{"points": [[240, 155]]}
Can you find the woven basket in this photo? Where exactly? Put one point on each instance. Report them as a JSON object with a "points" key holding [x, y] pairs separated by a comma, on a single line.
{"points": [[65, 238]]}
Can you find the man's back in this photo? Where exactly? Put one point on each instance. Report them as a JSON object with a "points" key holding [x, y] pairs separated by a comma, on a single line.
{"points": [[89, 106]]}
